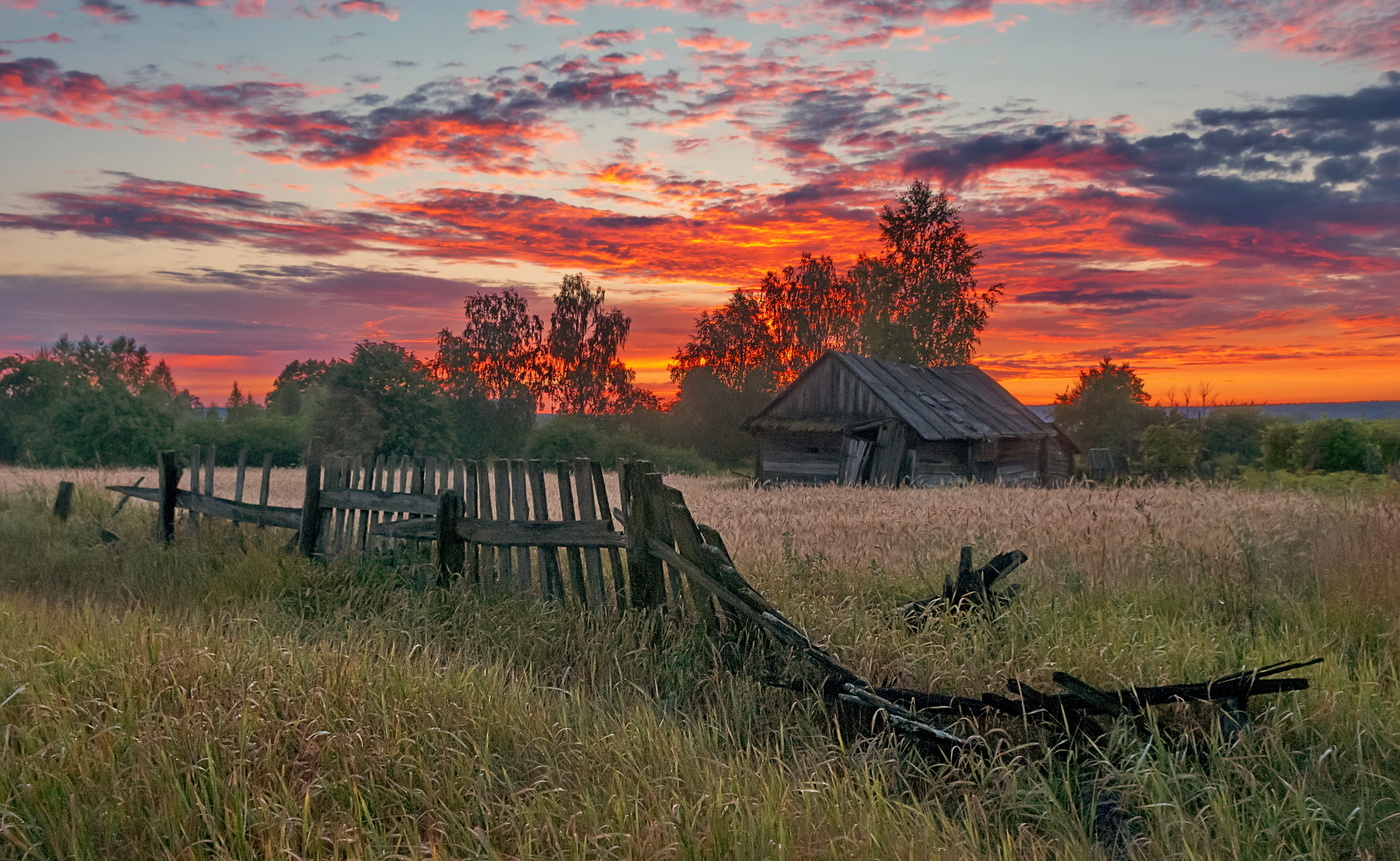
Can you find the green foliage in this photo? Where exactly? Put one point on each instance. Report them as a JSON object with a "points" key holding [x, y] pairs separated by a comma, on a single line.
{"points": [[1331, 445], [1170, 450], [1106, 408], [734, 344], [920, 302], [259, 432], [1276, 445], [500, 353], [383, 401], [1234, 430], [585, 342], [86, 403], [605, 439], [295, 384], [707, 417]]}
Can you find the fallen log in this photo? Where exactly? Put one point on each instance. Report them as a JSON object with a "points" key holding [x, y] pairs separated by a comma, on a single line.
{"points": [[971, 587]]}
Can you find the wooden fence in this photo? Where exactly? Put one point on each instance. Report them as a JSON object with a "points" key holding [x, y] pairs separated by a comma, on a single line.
{"points": [[520, 525]]}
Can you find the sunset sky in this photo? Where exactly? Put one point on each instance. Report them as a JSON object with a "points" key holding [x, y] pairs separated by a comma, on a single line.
{"points": [[1208, 189]]}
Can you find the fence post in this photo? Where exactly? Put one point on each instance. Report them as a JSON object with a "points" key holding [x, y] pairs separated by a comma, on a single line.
{"points": [[63, 500], [310, 534], [452, 550], [643, 567], [169, 494]]}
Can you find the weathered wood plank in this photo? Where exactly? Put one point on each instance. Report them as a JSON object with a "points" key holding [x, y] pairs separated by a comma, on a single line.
{"points": [[520, 510], [587, 510], [265, 488], [379, 500], [504, 563], [471, 496], [213, 506], [644, 569], [452, 550], [551, 583], [619, 577], [511, 533], [689, 544], [63, 500], [167, 495], [310, 526], [563, 472]]}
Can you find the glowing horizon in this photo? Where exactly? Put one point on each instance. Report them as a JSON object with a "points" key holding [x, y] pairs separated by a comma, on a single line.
{"points": [[1211, 195]]}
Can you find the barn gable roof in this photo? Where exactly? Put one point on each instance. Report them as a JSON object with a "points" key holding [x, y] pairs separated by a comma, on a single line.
{"points": [[939, 403]]}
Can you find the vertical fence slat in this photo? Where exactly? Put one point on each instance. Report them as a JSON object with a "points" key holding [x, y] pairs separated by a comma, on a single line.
{"points": [[689, 544], [196, 466], [209, 456], [592, 558], [504, 564], [563, 472], [644, 570], [240, 475], [430, 473], [551, 584], [310, 534], [451, 549], [619, 579], [472, 497], [265, 488], [520, 510], [169, 493], [659, 503], [336, 477]]}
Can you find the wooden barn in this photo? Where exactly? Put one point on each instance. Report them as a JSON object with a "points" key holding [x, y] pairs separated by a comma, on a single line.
{"points": [[854, 420]]}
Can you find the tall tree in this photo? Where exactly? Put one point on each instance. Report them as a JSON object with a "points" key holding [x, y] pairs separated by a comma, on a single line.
{"points": [[734, 344], [584, 343], [809, 309], [1106, 408], [383, 401], [500, 353], [920, 302], [296, 383], [88, 402]]}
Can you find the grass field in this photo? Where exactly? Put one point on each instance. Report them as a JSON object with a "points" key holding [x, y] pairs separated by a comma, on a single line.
{"points": [[218, 699]]}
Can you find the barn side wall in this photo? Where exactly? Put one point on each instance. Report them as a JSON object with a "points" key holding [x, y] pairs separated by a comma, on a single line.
{"points": [[799, 457], [942, 462]]}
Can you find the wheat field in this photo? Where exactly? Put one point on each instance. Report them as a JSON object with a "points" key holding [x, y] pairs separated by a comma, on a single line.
{"points": [[221, 699]]}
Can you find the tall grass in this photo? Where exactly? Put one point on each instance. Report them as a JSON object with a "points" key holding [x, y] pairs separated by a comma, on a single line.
{"points": [[219, 699]]}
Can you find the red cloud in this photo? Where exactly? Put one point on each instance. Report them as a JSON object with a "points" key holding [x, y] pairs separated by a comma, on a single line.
{"points": [[483, 19], [52, 38]]}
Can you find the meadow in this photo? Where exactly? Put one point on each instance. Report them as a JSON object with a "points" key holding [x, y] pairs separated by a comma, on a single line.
{"points": [[222, 699]]}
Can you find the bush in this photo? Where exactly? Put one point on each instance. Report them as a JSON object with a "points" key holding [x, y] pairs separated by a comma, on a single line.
{"points": [[605, 439], [1170, 451]]}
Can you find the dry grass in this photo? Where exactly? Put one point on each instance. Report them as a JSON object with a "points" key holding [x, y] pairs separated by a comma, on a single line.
{"points": [[203, 702]]}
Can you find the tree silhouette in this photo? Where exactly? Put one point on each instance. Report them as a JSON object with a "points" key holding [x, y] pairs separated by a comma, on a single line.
{"points": [[919, 301], [1106, 408], [810, 309], [500, 353], [584, 343], [734, 344]]}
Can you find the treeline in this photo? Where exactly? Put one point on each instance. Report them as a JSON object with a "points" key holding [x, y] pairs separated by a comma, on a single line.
{"points": [[1108, 409], [92, 402]]}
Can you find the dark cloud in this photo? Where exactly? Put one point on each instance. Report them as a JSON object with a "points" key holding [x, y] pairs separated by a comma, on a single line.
{"points": [[1118, 300], [139, 208], [108, 12]]}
